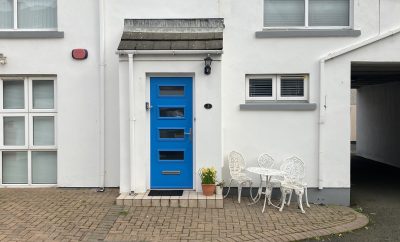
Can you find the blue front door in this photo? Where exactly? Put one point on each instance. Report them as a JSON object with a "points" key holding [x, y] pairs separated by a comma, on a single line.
{"points": [[171, 128]]}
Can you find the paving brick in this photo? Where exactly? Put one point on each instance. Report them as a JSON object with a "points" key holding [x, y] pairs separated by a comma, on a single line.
{"points": [[49, 214]]}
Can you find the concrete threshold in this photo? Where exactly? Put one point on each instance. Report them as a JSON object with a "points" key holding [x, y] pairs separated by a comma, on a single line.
{"points": [[189, 199]]}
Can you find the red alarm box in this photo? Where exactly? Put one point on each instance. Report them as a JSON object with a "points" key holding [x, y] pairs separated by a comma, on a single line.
{"points": [[79, 54]]}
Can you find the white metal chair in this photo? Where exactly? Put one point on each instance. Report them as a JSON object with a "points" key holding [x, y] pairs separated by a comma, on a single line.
{"points": [[266, 161], [294, 181], [236, 168]]}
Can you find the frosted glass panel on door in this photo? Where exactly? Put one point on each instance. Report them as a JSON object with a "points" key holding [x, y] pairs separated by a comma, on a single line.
{"points": [[43, 130], [44, 167], [37, 14], [15, 167], [14, 131], [43, 94], [13, 95], [6, 14]]}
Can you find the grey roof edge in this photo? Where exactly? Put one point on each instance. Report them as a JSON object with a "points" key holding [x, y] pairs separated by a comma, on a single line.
{"points": [[278, 106], [31, 34], [307, 33], [174, 25]]}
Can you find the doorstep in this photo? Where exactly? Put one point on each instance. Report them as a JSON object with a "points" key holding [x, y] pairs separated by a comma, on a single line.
{"points": [[189, 199]]}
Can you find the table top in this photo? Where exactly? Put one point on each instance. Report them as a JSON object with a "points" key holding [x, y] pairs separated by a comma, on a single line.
{"points": [[265, 171]]}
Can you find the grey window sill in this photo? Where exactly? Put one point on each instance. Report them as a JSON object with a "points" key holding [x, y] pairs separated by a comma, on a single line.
{"points": [[31, 34], [307, 33], [278, 106]]}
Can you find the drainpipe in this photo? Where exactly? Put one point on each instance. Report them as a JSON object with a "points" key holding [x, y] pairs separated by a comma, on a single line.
{"points": [[132, 120], [102, 97], [322, 113]]}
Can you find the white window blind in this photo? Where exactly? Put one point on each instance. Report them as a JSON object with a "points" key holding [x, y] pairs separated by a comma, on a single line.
{"points": [[292, 86], [14, 131], [329, 12], [44, 167], [37, 14], [280, 13], [13, 94], [15, 167], [260, 87], [6, 14], [43, 94], [43, 130]]}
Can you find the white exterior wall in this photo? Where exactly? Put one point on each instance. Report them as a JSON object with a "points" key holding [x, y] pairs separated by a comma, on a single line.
{"points": [[279, 133], [336, 128], [379, 123]]}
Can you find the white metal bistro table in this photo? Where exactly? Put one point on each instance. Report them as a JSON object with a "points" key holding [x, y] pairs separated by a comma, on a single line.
{"points": [[268, 173]]}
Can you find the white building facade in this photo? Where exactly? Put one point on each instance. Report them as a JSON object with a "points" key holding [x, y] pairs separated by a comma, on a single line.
{"points": [[141, 102]]}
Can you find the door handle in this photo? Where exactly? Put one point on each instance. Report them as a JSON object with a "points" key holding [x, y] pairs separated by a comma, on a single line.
{"points": [[190, 134]]}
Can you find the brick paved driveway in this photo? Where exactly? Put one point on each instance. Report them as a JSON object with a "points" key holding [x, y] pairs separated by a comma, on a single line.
{"points": [[82, 214]]}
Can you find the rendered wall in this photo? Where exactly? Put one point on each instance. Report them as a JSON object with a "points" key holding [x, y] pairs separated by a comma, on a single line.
{"points": [[378, 123]]}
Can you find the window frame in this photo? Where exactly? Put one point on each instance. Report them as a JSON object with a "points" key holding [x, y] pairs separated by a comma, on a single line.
{"points": [[306, 17], [30, 103], [273, 97], [26, 95], [276, 88], [28, 113], [30, 122], [15, 21], [26, 138], [293, 98]]}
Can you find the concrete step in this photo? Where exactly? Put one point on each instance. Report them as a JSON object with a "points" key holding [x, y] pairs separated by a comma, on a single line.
{"points": [[189, 199]]}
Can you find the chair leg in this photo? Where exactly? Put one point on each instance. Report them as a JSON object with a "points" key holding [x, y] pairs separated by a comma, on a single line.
{"points": [[239, 192], [283, 191], [290, 198], [228, 189], [300, 201], [306, 194]]}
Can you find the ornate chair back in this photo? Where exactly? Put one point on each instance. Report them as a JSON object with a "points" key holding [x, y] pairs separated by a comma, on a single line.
{"points": [[266, 161], [294, 169], [236, 163]]}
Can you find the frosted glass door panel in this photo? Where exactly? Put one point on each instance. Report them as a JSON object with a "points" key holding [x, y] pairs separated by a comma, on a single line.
{"points": [[14, 131], [15, 167], [43, 94], [13, 95], [43, 130], [44, 167]]}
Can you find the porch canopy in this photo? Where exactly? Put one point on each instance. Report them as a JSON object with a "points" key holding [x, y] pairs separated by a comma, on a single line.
{"points": [[172, 34]]}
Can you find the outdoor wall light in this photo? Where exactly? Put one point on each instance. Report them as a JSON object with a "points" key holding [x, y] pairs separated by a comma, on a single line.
{"points": [[207, 65], [3, 59]]}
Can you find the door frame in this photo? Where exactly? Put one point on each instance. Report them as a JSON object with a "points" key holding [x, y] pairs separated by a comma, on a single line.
{"points": [[148, 125]]}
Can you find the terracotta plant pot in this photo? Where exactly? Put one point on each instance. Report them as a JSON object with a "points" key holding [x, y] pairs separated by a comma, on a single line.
{"points": [[208, 189]]}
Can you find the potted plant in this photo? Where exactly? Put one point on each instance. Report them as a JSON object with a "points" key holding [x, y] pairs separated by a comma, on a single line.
{"points": [[219, 187], [208, 177]]}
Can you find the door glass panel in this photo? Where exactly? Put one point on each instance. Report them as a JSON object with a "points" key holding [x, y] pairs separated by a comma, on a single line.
{"points": [[171, 155], [43, 130], [172, 90], [43, 94], [44, 167], [15, 167], [172, 112], [14, 131], [171, 133], [13, 95]]}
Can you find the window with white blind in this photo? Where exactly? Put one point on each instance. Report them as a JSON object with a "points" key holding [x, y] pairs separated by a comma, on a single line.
{"points": [[28, 14], [307, 13], [28, 148], [276, 87]]}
